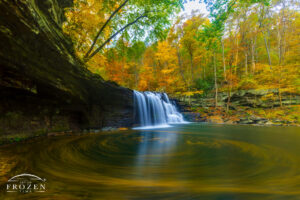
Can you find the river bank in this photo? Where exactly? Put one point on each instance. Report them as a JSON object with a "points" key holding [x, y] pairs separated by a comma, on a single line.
{"points": [[244, 115], [257, 107]]}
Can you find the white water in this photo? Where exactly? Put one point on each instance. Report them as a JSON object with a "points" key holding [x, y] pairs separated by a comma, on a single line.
{"points": [[154, 110]]}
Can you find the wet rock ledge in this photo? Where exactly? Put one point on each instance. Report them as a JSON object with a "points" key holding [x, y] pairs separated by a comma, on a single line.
{"points": [[43, 86]]}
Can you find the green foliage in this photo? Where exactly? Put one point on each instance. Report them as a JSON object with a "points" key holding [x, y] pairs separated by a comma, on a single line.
{"points": [[136, 51], [219, 12], [205, 85], [135, 20]]}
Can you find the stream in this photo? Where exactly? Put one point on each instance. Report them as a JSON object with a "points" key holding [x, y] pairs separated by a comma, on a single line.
{"points": [[186, 161]]}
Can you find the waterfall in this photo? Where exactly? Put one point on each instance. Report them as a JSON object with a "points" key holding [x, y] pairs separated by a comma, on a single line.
{"points": [[155, 109]]}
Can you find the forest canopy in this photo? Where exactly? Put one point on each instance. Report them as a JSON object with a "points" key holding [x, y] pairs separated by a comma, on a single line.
{"points": [[147, 45]]}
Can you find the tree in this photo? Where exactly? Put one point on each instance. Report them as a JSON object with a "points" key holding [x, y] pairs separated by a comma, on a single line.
{"points": [[219, 12], [242, 45], [132, 18]]}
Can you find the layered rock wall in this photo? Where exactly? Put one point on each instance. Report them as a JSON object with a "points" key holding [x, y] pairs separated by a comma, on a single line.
{"points": [[43, 85]]}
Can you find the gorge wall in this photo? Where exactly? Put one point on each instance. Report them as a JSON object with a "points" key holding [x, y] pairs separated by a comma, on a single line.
{"points": [[43, 85]]}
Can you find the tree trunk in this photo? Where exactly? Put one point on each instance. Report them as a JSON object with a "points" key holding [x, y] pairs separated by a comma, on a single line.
{"points": [[192, 67], [267, 49], [281, 37], [229, 92], [246, 63], [229, 83], [224, 65], [263, 13], [279, 44], [236, 56], [237, 48], [180, 67], [216, 84], [279, 85], [253, 55]]}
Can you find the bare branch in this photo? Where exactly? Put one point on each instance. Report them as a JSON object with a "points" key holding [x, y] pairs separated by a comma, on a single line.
{"points": [[114, 35], [103, 27]]}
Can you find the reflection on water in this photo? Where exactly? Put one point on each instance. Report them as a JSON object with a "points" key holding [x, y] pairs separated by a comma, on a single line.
{"points": [[192, 161], [153, 151]]}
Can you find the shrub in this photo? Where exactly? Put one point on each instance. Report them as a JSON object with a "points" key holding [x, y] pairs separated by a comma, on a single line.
{"points": [[248, 83]]}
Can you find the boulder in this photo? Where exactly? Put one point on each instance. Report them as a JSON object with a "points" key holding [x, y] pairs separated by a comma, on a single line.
{"points": [[229, 122], [216, 119], [246, 121]]}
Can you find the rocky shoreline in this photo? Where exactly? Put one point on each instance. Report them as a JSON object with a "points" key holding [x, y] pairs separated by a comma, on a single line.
{"points": [[252, 120], [252, 107]]}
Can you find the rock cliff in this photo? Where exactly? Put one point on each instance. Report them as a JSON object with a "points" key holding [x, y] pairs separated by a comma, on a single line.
{"points": [[43, 86]]}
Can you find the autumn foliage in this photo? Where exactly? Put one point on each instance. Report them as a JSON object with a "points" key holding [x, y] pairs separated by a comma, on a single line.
{"points": [[254, 45]]}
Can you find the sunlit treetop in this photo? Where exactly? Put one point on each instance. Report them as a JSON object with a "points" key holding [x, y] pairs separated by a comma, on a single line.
{"points": [[219, 11], [94, 24]]}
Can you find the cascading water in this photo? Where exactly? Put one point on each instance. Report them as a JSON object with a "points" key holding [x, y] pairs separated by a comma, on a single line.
{"points": [[155, 109]]}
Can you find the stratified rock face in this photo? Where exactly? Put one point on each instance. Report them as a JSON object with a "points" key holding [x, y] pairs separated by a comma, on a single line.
{"points": [[43, 86], [262, 98], [267, 98]]}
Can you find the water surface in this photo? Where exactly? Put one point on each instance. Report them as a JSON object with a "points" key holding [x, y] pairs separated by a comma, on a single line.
{"points": [[191, 161]]}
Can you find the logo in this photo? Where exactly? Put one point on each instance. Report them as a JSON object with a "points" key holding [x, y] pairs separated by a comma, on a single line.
{"points": [[26, 183]]}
